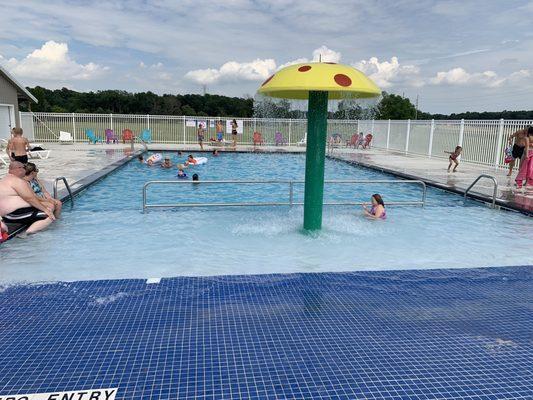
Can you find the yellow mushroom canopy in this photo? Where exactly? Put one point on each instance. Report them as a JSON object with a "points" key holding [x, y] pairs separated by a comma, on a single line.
{"points": [[340, 81]]}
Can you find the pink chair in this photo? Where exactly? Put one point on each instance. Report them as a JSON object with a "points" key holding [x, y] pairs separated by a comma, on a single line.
{"points": [[110, 136], [279, 139]]}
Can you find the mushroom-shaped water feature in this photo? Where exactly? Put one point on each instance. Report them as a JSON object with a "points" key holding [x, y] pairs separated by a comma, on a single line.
{"points": [[317, 82]]}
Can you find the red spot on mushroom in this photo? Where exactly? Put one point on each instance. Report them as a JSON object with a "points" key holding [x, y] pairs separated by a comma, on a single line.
{"points": [[342, 80], [304, 68], [268, 80]]}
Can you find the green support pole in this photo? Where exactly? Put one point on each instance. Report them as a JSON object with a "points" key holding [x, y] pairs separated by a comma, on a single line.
{"points": [[317, 119]]}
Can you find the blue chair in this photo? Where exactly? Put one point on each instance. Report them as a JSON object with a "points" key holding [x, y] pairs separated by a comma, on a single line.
{"points": [[92, 137], [146, 136]]}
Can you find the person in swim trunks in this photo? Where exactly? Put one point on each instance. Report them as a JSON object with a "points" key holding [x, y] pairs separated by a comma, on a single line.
{"points": [[17, 146], [19, 204], [519, 146]]}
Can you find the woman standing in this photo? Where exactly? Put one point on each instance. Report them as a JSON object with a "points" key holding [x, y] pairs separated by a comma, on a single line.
{"points": [[234, 127]]}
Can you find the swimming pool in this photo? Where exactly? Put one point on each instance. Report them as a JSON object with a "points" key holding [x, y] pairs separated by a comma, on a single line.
{"points": [[106, 235]]}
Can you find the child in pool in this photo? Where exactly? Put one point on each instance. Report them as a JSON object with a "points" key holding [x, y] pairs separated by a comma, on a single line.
{"points": [[215, 152], [454, 158], [181, 173], [377, 211]]}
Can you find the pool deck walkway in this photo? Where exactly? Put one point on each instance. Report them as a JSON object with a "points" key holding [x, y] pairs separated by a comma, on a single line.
{"points": [[79, 162]]}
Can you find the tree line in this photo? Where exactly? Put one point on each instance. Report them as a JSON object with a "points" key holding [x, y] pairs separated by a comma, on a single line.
{"points": [[389, 106]]}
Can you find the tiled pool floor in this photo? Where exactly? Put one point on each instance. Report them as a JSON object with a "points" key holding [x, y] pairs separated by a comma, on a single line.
{"points": [[433, 334]]}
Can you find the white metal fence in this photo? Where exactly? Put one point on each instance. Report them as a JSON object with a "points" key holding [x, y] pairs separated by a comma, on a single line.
{"points": [[483, 141]]}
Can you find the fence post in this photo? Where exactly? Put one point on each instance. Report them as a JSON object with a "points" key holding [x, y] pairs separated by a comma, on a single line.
{"points": [[290, 120], [147, 121], [499, 145], [358, 127], [407, 135], [74, 127], [388, 134], [111, 121], [372, 127], [183, 129], [431, 131], [461, 132]]}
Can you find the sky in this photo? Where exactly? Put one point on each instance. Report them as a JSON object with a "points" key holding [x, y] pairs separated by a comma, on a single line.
{"points": [[454, 55]]}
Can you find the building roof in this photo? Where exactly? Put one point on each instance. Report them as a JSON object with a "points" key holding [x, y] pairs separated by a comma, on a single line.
{"points": [[21, 90]]}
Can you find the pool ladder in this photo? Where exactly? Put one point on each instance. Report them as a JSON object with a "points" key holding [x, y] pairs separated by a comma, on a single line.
{"points": [[70, 196], [495, 191]]}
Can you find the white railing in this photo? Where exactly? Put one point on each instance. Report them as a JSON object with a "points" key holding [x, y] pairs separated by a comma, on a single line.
{"points": [[483, 141]]}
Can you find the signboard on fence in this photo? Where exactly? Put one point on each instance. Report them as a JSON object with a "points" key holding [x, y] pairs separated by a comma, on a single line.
{"points": [[240, 124], [190, 123], [203, 123]]}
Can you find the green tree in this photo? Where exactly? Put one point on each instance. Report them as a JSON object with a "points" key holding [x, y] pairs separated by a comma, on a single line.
{"points": [[393, 106]]}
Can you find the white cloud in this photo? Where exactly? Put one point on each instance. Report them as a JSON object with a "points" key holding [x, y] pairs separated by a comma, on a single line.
{"points": [[322, 53], [326, 55], [387, 73], [460, 77], [256, 70], [52, 62]]}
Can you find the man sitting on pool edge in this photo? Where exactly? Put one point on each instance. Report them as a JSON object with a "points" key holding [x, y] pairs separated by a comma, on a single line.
{"points": [[19, 204]]}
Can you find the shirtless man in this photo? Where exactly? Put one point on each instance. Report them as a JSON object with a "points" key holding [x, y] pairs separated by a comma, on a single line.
{"points": [[17, 147], [19, 204], [519, 145]]}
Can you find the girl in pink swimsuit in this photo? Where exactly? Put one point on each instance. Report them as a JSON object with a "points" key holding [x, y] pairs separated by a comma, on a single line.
{"points": [[377, 211]]}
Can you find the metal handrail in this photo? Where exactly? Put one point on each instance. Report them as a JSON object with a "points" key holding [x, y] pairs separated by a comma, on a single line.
{"points": [[495, 191], [291, 201], [62, 178]]}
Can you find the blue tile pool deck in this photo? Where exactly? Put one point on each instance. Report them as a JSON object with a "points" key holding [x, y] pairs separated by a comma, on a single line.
{"points": [[432, 334]]}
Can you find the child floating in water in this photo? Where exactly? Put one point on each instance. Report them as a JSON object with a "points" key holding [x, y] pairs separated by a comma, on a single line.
{"points": [[181, 173], [377, 211], [454, 158], [215, 152], [195, 178], [141, 159], [167, 163]]}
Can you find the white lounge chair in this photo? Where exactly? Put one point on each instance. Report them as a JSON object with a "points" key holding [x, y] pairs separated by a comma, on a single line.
{"points": [[42, 154], [65, 137], [4, 159]]}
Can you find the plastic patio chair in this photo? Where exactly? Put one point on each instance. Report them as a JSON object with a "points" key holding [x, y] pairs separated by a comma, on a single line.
{"points": [[279, 139], [146, 136], [127, 135], [92, 137], [65, 137], [258, 138], [110, 136], [368, 140]]}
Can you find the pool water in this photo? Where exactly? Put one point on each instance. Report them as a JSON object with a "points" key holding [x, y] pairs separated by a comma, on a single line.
{"points": [[106, 235]]}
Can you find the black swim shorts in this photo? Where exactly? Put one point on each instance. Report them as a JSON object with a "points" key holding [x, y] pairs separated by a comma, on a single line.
{"points": [[518, 151], [24, 216], [23, 159]]}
